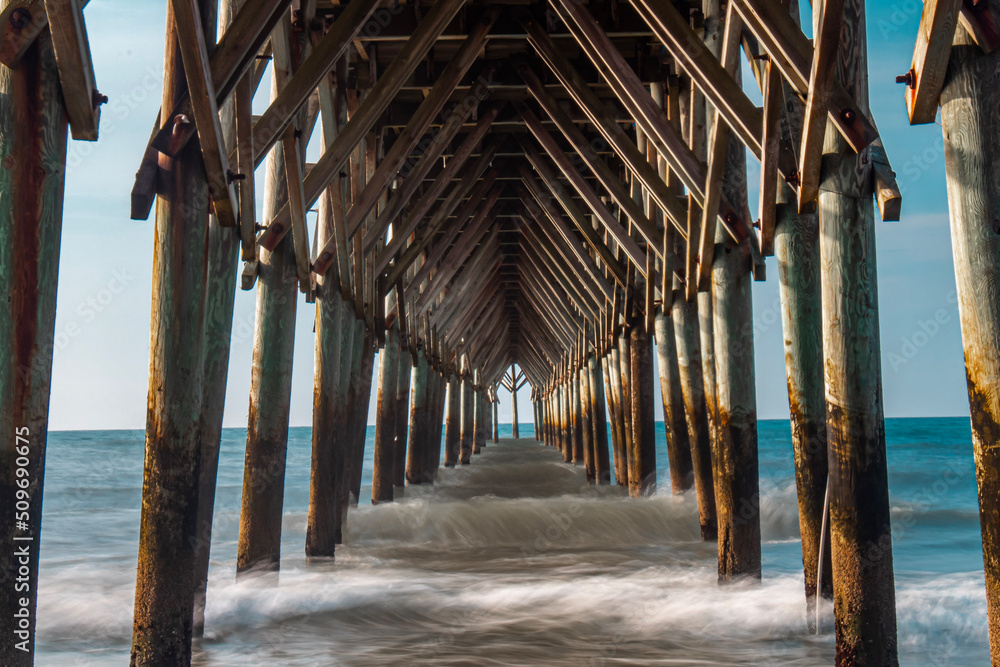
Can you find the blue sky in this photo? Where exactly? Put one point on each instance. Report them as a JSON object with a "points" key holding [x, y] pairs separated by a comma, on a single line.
{"points": [[102, 323]]}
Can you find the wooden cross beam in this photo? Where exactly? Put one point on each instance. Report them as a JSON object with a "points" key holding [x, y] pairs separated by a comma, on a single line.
{"points": [[368, 112], [598, 115], [541, 257], [693, 173], [483, 189], [544, 293], [293, 95], [333, 105], [481, 276], [546, 329], [607, 178], [428, 200], [773, 106], [821, 79], [414, 177], [783, 40], [546, 306], [467, 318], [485, 273], [589, 196], [422, 117], [476, 317], [718, 149], [616, 268], [930, 59], [243, 112], [21, 22], [567, 279], [194, 53], [464, 245], [237, 48], [582, 262]]}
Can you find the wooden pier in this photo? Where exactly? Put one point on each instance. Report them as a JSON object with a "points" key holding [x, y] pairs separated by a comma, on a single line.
{"points": [[508, 193]]}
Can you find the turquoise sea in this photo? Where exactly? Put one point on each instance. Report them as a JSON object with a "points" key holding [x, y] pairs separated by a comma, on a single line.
{"points": [[510, 561]]}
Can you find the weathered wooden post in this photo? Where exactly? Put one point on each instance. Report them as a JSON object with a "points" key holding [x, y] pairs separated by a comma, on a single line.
{"points": [[433, 447], [625, 361], [861, 539], [385, 418], [692, 382], [361, 387], [421, 421], [223, 255], [566, 419], [643, 416], [329, 456], [586, 423], [348, 364], [166, 575], [439, 423], [453, 425], [971, 131], [679, 446], [513, 404], [706, 336], [534, 412], [599, 421], [479, 424], [468, 422], [405, 366], [259, 546], [33, 145], [796, 247], [496, 419], [615, 394], [552, 417], [736, 471], [575, 416], [483, 428]]}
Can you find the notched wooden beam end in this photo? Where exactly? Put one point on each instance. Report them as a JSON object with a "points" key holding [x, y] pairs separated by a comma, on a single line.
{"points": [[144, 189], [249, 275], [887, 194]]}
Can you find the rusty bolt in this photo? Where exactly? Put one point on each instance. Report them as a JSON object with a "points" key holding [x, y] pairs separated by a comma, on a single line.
{"points": [[99, 99], [20, 18], [233, 176], [909, 79], [259, 227], [756, 224], [847, 115]]}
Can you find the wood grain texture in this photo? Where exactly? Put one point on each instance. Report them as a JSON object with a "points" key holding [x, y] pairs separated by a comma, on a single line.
{"points": [[33, 150], [970, 123]]}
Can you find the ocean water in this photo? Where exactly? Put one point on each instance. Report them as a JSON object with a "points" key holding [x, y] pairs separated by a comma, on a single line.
{"points": [[510, 561]]}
